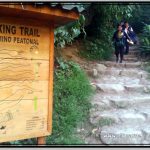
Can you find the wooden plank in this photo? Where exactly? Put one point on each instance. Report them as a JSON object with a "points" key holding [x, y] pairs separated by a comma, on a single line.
{"points": [[30, 22], [23, 41], [41, 140], [51, 71], [21, 70], [14, 90], [29, 122], [45, 13], [25, 136]]}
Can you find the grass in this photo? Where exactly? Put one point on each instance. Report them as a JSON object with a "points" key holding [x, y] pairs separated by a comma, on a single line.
{"points": [[105, 122], [71, 103]]}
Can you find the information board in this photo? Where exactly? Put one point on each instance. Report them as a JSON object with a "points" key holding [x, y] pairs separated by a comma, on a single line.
{"points": [[24, 80]]}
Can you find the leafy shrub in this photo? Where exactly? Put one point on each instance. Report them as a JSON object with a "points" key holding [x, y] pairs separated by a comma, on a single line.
{"points": [[145, 41], [107, 16], [71, 102], [96, 50], [66, 34], [141, 16]]}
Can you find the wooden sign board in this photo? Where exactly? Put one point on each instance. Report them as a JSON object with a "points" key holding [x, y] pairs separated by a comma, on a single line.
{"points": [[26, 76]]}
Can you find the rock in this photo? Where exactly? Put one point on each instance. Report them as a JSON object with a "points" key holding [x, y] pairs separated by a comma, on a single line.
{"points": [[124, 102], [145, 110], [101, 68], [119, 103], [92, 73], [135, 87], [95, 72], [133, 73], [112, 72], [146, 131], [128, 116], [101, 105], [111, 88], [147, 89], [131, 118], [133, 65], [103, 118], [121, 135], [92, 140]]}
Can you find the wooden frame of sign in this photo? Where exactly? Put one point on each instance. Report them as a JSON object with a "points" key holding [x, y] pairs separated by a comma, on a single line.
{"points": [[26, 69]]}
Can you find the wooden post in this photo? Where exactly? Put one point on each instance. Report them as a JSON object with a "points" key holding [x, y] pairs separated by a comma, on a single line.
{"points": [[51, 71], [41, 141]]}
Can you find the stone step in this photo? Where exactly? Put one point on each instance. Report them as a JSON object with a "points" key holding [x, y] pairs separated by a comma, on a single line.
{"points": [[143, 109], [123, 80], [102, 103], [116, 116], [133, 53], [137, 88], [125, 134], [120, 88], [125, 72], [127, 102], [130, 59], [110, 88], [121, 65]]}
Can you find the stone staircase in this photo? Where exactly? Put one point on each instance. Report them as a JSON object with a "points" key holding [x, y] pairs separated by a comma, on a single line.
{"points": [[120, 111]]}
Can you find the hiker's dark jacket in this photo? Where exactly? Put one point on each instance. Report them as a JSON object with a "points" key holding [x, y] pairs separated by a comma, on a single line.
{"points": [[117, 39]]}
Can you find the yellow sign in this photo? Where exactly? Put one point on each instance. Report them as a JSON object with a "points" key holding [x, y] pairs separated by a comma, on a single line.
{"points": [[24, 80]]}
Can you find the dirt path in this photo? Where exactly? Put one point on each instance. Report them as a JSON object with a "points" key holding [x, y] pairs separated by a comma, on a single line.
{"points": [[120, 111]]}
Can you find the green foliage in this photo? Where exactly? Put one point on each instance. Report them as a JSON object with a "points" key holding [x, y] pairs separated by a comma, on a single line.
{"points": [[105, 122], [113, 12], [22, 142], [106, 17], [66, 34], [71, 102], [96, 49], [146, 67], [102, 28], [141, 17], [145, 40]]}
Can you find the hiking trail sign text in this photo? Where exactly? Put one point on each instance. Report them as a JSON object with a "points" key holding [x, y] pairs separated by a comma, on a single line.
{"points": [[26, 69], [24, 80]]}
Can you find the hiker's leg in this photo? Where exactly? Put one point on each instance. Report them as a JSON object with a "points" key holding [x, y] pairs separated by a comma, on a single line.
{"points": [[127, 47], [121, 53], [117, 53]]}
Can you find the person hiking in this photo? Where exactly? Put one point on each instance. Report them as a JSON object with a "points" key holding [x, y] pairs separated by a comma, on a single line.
{"points": [[131, 35], [122, 23], [119, 38]]}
